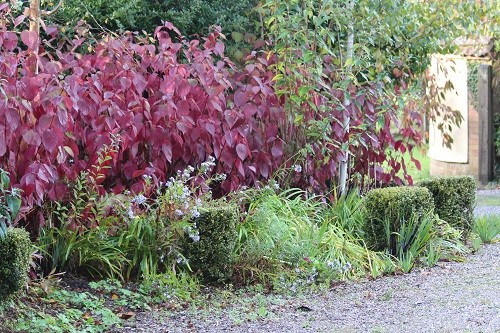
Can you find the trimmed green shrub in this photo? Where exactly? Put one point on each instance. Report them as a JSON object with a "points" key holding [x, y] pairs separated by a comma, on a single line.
{"points": [[15, 254], [393, 205], [454, 200], [209, 246]]}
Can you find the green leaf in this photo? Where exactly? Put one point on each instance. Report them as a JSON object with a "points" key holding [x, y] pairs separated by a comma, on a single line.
{"points": [[238, 37], [3, 230], [14, 204], [298, 119], [304, 91], [4, 180]]}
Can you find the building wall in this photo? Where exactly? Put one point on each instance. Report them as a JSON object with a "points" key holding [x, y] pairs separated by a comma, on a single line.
{"points": [[439, 168]]}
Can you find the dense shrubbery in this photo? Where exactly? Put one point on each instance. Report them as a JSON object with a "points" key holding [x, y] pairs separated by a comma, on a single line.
{"points": [[191, 17], [103, 135], [394, 205], [454, 199], [194, 18], [209, 246], [15, 251], [138, 106], [132, 108]]}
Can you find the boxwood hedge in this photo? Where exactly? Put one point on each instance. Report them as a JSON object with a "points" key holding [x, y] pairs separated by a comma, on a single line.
{"points": [[393, 205]]}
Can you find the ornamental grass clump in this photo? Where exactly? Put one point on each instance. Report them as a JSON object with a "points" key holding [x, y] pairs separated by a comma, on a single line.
{"points": [[292, 239], [454, 200], [487, 227], [411, 240], [387, 208]]}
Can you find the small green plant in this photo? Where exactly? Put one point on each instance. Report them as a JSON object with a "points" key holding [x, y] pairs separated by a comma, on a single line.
{"points": [[432, 254], [448, 240], [412, 239], [475, 242], [170, 287], [406, 262], [487, 227], [76, 234], [348, 213], [120, 296], [66, 311], [87, 250]]}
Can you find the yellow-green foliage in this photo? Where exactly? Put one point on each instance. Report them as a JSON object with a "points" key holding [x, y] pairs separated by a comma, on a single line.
{"points": [[15, 253], [454, 199], [393, 205], [211, 255]]}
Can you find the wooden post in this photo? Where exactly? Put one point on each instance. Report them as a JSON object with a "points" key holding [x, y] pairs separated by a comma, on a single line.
{"points": [[485, 111]]}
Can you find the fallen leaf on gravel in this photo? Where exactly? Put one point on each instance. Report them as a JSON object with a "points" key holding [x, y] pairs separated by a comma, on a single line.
{"points": [[126, 315], [304, 308]]}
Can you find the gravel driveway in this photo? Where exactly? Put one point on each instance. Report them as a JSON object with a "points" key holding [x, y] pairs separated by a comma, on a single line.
{"points": [[450, 297], [491, 200]]}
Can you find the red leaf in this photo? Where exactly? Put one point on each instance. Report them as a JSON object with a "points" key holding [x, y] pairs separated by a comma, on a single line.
{"points": [[240, 98], [32, 138], [30, 39], [167, 151], [418, 165], [51, 30], [19, 20], [51, 140], [13, 118], [138, 173], [183, 89], [140, 83], [239, 167], [3, 143], [242, 151], [276, 152]]}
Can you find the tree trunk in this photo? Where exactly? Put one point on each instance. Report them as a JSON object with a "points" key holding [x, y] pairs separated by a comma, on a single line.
{"points": [[346, 120], [35, 24]]}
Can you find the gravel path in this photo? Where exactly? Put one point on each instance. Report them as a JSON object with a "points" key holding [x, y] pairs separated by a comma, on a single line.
{"points": [[450, 297], [489, 209]]}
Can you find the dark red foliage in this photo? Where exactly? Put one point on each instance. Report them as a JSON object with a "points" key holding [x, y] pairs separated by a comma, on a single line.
{"points": [[130, 106], [167, 104]]}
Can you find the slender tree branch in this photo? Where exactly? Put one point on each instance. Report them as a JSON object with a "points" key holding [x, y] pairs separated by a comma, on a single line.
{"points": [[50, 12]]}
